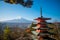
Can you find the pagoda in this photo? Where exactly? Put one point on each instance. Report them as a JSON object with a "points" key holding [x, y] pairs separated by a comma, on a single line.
{"points": [[42, 30]]}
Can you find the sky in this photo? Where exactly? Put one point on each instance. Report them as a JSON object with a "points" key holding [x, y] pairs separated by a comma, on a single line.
{"points": [[50, 9]]}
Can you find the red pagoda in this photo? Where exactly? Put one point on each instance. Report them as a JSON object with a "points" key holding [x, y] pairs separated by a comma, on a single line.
{"points": [[42, 28]]}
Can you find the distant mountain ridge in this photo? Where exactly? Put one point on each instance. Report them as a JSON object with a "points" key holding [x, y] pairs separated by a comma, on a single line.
{"points": [[21, 20]]}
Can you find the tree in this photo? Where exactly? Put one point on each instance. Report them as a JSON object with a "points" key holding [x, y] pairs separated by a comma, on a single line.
{"points": [[32, 31], [55, 30], [24, 3], [28, 30], [0, 28], [6, 33]]}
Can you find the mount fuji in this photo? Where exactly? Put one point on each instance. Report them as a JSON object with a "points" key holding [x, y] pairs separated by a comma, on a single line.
{"points": [[21, 20]]}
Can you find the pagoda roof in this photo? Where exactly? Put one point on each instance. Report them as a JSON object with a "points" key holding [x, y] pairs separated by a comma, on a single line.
{"points": [[42, 18], [44, 28]]}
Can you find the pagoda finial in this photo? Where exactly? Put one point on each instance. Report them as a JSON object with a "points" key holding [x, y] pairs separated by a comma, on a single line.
{"points": [[41, 12]]}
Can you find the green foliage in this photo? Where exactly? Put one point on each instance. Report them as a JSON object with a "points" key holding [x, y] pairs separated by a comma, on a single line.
{"points": [[6, 33]]}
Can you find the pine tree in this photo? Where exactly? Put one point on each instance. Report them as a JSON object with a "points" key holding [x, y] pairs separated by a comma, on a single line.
{"points": [[24, 3]]}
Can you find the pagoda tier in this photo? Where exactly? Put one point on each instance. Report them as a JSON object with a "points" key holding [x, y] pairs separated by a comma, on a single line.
{"points": [[42, 28], [45, 33]]}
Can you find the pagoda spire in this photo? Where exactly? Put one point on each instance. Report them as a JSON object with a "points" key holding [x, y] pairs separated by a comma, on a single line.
{"points": [[41, 12]]}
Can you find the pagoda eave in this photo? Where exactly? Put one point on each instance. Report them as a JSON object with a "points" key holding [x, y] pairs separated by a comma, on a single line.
{"points": [[42, 18]]}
